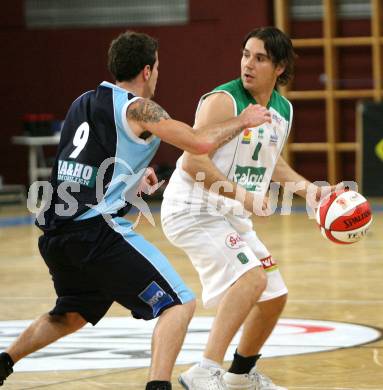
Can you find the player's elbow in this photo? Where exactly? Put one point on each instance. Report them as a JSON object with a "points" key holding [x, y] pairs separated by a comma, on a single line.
{"points": [[205, 148], [202, 145]]}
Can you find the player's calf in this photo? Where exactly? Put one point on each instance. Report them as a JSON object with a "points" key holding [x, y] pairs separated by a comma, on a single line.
{"points": [[6, 364]]}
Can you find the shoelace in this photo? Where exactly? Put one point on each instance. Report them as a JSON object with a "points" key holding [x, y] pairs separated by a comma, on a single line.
{"points": [[219, 374], [260, 379]]}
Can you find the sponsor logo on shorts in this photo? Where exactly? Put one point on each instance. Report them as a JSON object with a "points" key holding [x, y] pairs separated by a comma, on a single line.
{"points": [[234, 241], [155, 297], [242, 258], [269, 264]]}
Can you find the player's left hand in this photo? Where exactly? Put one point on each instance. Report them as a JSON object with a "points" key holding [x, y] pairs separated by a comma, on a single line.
{"points": [[322, 192]]}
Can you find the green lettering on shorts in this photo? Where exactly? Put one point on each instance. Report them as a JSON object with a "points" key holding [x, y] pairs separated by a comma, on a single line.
{"points": [[242, 258]]}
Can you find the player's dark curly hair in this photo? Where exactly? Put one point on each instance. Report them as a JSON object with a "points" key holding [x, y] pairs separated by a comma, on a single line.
{"points": [[129, 53], [279, 47]]}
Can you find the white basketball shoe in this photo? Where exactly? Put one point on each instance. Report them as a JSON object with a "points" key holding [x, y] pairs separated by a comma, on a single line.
{"points": [[198, 378], [254, 380]]}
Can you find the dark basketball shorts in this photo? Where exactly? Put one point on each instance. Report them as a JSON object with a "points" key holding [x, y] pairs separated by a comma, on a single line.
{"points": [[93, 265]]}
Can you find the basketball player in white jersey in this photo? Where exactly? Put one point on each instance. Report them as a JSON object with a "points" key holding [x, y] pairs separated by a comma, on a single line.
{"points": [[237, 272]]}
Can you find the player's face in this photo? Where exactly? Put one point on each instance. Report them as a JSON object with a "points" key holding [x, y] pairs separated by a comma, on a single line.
{"points": [[258, 73], [152, 82]]}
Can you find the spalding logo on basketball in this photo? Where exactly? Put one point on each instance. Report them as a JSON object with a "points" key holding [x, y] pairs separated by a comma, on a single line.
{"points": [[344, 217]]}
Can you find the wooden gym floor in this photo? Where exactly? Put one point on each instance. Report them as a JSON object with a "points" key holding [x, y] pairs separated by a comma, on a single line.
{"points": [[326, 282]]}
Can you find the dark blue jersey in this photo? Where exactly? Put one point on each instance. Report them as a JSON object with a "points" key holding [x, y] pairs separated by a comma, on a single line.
{"points": [[99, 160]]}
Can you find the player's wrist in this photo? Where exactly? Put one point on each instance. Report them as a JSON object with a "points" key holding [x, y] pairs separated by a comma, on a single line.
{"points": [[243, 121]]}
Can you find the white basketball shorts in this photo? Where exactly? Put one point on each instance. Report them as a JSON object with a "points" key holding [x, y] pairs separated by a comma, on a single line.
{"points": [[221, 248]]}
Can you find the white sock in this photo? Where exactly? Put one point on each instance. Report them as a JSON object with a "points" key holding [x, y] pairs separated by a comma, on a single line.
{"points": [[207, 363]]}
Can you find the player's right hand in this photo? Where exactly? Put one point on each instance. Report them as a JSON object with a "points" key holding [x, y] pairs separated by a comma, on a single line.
{"points": [[257, 205], [254, 115]]}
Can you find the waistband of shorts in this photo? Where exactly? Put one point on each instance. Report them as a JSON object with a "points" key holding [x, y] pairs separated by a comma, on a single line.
{"points": [[71, 226]]}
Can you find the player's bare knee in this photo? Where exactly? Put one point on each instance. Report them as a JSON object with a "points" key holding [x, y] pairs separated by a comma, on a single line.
{"points": [[70, 321], [254, 282], [260, 279], [183, 311], [273, 308], [282, 300], [75, 320], [278, 304], [187, 309]]}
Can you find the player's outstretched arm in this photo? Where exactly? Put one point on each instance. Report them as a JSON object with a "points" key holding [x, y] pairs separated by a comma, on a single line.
{"points": [[146, 115], [292, 181], [218, 107], [222, 132], [286, 175]]}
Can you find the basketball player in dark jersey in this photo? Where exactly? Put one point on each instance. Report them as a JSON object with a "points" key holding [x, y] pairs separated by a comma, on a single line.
{"points": [[108, 139]]}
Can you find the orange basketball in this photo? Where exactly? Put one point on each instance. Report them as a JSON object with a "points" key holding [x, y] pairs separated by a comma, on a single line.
{"points": [[344, 217]]}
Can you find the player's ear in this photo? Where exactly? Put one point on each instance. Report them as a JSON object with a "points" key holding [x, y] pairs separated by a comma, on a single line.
{"points": [[280, 68], [147, 72]]}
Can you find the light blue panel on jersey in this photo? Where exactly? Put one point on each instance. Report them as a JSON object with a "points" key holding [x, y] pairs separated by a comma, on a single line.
{"points": [[155, 257], [132, 158]]}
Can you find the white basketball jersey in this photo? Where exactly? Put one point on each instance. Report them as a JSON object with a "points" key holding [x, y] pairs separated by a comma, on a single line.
{"points": [[249, 159]]}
